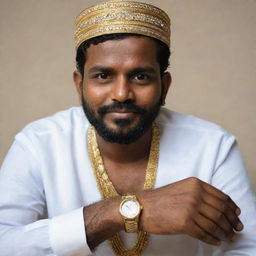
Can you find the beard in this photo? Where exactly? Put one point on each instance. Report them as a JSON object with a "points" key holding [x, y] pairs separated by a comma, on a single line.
{"points": [[123, 134]]}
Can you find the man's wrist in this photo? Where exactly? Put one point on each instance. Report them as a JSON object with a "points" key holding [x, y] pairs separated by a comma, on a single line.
{"points": [[102, 220]]}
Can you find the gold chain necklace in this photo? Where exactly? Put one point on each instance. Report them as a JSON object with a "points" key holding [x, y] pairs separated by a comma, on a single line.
{"points": [[108, 190]]}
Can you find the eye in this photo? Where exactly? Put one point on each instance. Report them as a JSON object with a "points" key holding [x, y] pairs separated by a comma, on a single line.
{"points": [[141, 77], [102, 76]]}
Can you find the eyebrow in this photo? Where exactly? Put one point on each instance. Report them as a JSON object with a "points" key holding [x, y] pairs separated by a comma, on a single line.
{"points": [[100, 69], [143, 70], [146, 69]]}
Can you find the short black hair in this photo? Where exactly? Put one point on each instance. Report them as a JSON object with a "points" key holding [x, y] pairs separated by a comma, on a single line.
{"points": [[163, 51]]}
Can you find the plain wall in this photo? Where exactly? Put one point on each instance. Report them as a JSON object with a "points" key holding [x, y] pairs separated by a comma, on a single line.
{"points": [[213, 64]]}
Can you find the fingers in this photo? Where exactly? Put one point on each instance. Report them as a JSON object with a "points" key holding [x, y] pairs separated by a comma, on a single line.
{"points": [[223, 197], [217, 218], [217, 214], [222, 212], [211, 228], [215, 229], [198, 232]]}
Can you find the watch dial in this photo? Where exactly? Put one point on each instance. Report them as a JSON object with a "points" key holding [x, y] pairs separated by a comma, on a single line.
{"points": [[130, 208]]}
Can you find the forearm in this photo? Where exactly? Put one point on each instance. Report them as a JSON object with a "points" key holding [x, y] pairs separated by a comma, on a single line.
{"points": [[102, 220]]}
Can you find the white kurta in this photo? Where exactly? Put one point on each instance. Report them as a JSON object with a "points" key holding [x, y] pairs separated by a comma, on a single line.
{"points": [[47, 178]]}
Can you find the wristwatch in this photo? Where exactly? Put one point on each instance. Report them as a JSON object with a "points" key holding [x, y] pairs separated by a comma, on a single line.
{"points": [[130, 209]]}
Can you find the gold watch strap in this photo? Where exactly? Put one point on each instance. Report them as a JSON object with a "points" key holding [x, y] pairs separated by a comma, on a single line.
{"points": [[131, 226], [129, 197]]}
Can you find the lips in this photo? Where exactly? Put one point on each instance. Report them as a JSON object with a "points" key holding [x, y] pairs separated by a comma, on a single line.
{"points": [[121, 113], [121, 108]]}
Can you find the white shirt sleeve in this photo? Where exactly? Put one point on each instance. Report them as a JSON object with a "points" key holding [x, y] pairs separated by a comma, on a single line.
{"points": [[231, 177], [25, 229]]}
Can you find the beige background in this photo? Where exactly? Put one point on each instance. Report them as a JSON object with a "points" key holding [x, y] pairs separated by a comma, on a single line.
{"points": [[213, 63]]}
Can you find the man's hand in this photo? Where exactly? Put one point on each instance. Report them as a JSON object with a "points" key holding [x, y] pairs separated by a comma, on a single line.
{"points": [[190, 207]]}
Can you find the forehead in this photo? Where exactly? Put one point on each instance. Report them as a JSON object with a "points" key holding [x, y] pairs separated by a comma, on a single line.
{"points": [[127, 52]]}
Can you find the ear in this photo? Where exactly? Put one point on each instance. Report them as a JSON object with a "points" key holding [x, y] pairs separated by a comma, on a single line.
{"points": [[78, 80], [166, 83]]}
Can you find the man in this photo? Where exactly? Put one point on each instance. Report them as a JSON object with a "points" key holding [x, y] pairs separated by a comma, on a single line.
{"points": [[128, 177]]}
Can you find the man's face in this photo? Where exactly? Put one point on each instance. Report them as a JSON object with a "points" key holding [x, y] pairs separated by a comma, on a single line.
{"points": [[122, 89]]}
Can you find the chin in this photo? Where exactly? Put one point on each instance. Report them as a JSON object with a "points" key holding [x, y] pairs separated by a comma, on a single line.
{"points": [[122, 124], [121, 131]]}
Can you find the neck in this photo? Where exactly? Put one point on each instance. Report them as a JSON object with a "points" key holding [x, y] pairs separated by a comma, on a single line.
{"points": [[122, 153]]}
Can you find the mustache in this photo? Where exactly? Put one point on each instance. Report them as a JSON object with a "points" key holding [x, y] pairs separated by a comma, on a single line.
{"points": [[121, 105]]}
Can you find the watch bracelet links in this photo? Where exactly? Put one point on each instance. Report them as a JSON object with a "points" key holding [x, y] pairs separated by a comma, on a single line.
{"points": [[129, 196], [131, 226]]}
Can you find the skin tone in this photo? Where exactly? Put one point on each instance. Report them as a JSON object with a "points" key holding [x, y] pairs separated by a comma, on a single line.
{"points": [[127, 69]]}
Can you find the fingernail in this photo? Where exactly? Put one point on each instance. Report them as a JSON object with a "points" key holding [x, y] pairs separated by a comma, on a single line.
{"points": [[239, 226], [238, 211]]}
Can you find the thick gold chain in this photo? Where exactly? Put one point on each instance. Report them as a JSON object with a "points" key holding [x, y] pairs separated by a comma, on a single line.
{"points": [[108, 190]]}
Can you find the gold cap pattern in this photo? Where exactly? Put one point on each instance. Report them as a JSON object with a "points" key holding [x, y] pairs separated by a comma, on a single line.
{"points": [[120, 16]]}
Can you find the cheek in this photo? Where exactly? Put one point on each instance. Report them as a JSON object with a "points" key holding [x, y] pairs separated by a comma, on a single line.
{"points": [[149, 96], [94, 95]]}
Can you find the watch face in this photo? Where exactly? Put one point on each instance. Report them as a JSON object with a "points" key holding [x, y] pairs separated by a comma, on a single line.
{"points": [[130, 209]]}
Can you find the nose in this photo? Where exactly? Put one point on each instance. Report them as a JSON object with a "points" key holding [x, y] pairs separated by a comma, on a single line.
{"points": [[121, 90]]}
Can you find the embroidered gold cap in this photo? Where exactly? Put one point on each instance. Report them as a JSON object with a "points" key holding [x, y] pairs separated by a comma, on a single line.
{"points": [[121, 16]]}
